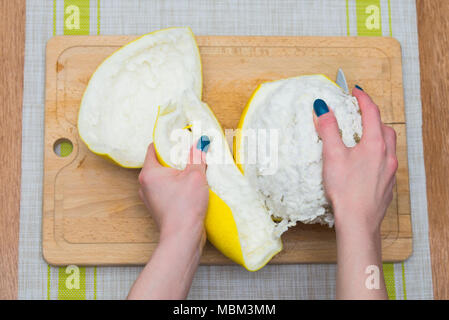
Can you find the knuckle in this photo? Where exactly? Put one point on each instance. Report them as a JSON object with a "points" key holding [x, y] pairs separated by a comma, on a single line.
{"points": [[375, 109], [333, 155], [372, 114], [196, 176], [394, 136], [378, 145], [144, 177], [326, 122], [393, 163], [372, 106], [390, 132]]}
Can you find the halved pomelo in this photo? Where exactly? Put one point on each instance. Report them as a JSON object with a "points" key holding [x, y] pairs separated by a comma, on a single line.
{"points": [[291, 182], [121, 100], [236, 223]]}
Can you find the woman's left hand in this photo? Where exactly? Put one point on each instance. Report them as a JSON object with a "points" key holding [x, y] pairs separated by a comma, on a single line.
{"points": [[177, 201]]}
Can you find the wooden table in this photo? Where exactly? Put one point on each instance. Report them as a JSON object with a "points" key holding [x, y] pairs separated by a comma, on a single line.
{"points": [[12, 38], [433, 25], [433, 28]]}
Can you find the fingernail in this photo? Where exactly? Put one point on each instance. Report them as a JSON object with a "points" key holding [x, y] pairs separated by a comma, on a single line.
{"points": [[320, 107], [358, 87], [203, 143]]}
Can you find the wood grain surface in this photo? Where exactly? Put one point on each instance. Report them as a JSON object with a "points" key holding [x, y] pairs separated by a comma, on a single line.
{"points": [[92, 213], [433, 29], [12, 39], [432, 25]]}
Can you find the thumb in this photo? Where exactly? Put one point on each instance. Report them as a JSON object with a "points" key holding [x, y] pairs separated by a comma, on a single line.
{"points": [[197, 156], [151, 157], [327, 127]]}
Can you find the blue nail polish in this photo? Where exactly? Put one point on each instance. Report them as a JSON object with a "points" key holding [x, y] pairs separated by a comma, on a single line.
{"points": [[358, 87], [203, 143], [320, 107]]}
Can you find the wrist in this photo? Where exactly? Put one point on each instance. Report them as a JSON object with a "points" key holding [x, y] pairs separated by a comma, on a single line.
{"points": [[358, 238], [193, 236], [186, 249], [358, 225]]}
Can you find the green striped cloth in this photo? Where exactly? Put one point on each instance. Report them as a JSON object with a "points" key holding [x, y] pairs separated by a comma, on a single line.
{"points": [[37, 280]]}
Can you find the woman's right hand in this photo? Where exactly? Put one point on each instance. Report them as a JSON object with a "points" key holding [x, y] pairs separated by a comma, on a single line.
{"points": [[359, 181]]}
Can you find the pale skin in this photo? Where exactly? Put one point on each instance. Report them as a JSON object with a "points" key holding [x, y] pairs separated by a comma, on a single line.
{"points": [[358, 182], [178, 202]]}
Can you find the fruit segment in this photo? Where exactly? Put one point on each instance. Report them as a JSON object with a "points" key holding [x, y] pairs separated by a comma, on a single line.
{"points": [[119, 105], [236, 223]]}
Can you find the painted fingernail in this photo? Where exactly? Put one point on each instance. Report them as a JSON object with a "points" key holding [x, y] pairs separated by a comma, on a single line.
{"points": [[203, 143], [358, 87], [320, 107]]}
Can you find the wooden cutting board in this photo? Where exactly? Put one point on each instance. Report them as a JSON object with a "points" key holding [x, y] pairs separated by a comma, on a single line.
{"points": [[92, 214]]}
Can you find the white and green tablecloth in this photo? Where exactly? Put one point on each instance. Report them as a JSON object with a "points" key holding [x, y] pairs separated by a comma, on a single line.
{"points": [[45, 18]]}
